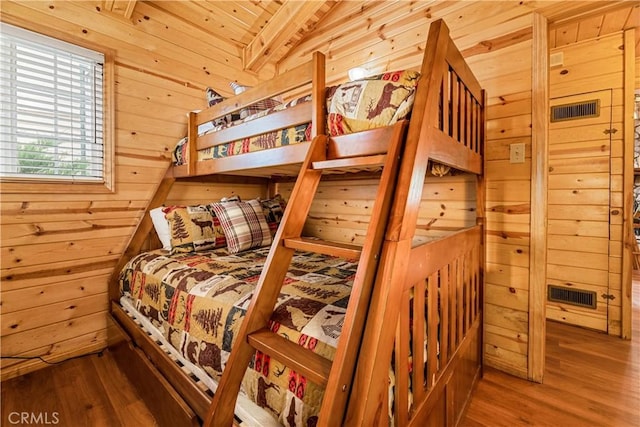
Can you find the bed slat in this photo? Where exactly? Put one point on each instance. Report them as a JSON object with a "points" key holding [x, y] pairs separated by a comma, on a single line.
{"points": [[432, 334], [242, 164], [365, 143], [197, 399], [401, 392], [420, 325]]}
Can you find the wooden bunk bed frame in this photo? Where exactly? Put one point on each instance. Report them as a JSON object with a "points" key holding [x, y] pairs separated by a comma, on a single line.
{"points": [[417, 301]]}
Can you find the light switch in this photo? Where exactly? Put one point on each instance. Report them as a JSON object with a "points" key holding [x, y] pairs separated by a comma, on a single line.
{"points": [[516, 153]]}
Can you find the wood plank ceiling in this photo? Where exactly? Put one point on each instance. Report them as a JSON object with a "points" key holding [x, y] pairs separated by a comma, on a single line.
{"points": [[254, 36], [589, 23], [261, 31]]}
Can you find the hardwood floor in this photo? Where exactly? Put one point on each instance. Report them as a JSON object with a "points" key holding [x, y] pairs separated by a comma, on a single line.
{"points": [[591, 379], [89, 391]]}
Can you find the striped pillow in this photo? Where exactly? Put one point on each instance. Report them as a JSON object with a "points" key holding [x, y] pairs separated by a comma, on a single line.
{"points": [[243, 224]]}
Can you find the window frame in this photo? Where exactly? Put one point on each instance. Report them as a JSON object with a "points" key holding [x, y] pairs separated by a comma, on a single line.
{"points": [[51, 185]]}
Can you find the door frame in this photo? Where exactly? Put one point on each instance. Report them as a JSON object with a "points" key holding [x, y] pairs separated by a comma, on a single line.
{"points": [[539, 183], [536, 347], [627, 184]]}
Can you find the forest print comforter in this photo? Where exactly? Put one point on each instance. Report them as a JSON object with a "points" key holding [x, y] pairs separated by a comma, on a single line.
{"points": [[198, 300]]}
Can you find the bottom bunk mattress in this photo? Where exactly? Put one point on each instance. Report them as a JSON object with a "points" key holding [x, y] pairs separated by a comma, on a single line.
{"points": [[198, 299]]}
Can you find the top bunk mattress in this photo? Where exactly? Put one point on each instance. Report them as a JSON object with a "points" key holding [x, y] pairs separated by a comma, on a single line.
{"points": [[369, 103]]}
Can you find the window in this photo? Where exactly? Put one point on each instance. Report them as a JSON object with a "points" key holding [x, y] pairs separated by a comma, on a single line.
{"points": [[51, 109]]}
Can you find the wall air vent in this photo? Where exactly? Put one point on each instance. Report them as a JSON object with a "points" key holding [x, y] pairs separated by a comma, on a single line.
{"points": [[576, 110], [577, 297], [556, 59]]}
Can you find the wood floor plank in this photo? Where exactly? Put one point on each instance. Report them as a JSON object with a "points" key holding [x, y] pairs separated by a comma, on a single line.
{"points": [[591, 379], [124, 401], [32, 393], [75, 381], [88, 391]]}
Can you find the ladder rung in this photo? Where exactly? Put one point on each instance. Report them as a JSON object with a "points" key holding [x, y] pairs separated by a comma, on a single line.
{"points": [[313, 366], [340, 250], [351, 162]]}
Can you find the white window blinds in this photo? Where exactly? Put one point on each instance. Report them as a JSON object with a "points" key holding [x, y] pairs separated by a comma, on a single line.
{"points": [[51, 108]]}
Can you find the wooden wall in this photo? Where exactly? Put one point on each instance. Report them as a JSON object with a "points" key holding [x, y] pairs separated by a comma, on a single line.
{"points": [[186, 193], [506, 75], [341, 209], [58, 248]]}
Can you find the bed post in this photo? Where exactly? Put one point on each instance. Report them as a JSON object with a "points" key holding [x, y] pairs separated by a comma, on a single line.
{"points": [[481, 220], [318, 112], [192, 144], [369, 390]]}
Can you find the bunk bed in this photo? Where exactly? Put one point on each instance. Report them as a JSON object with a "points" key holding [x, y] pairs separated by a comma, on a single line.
{"points": [[404, 308]]}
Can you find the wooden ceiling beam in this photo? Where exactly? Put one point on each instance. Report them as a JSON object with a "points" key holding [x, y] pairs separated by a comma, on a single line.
{"points": [[283, 25], [108, 5], [120, 7], [588, 11], [128, 11]]}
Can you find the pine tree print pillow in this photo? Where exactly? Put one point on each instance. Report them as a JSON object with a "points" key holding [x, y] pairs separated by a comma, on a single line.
{"points": [[194, 228]]}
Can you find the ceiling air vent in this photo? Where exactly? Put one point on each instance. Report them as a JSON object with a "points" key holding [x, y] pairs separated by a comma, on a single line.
{"points": [[577, 297], [576, 110]]}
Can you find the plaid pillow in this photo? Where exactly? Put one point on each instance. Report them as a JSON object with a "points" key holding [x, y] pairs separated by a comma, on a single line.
{"points": [[265, 104], [243, 224], [193, 228]]}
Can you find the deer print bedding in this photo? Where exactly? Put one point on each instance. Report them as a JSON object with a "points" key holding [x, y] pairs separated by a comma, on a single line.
{"points": [[372, 102], [198, 300]]}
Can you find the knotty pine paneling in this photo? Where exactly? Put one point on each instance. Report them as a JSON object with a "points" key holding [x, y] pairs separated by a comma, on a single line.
{"points": [[138, 46], [341, 210], [184, 193], [508, 189], [58, 249], [68, 289]]}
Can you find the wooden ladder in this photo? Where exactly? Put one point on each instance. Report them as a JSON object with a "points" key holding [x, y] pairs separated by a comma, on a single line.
{"points": [[254, 333]]}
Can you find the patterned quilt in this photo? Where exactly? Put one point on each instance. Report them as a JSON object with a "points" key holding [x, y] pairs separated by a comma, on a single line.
{"points": [[279, 138], [368, 103], [198, 300]]}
